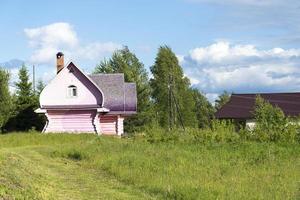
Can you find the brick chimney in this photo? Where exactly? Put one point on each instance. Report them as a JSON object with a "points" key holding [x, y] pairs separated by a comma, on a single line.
{"points": [[59, 61]]}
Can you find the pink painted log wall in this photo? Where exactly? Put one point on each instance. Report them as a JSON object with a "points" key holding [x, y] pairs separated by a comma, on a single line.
{"points": [[74, 121], [120, 127], [82, 121], [108, 124]]}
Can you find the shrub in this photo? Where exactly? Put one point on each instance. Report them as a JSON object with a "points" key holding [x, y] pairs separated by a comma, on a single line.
{"points": [[158, 134], [220, 132], [272, 124], [224, 131]]}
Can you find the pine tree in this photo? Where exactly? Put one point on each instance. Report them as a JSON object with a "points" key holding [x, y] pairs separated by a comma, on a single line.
{"points": [[24, 89], [222, 100], [40, 119], [124, 61], [105, 66], [5, 98], [26, 103], [40, 86], [170, 91]]}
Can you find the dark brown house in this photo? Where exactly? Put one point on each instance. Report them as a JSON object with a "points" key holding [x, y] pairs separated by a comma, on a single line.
{"points": [[241, 106]]}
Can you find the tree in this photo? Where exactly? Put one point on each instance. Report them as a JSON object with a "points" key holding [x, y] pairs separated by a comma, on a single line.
{"points": [[105, 66], [203, 109], [24, 89], [40, 86], [270, 121], [26, 103], [173, 100], [5, 98], [222, 100], [124, 61]]}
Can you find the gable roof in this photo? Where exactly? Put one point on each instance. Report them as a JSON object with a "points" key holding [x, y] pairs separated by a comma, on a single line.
{"points": [[119, 97], [114, 93], [241, 106], [53, 96]]}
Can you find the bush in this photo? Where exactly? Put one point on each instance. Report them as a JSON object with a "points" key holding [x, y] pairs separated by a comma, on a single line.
{"points": [[272, 124], [220, 132], [157, 134]]}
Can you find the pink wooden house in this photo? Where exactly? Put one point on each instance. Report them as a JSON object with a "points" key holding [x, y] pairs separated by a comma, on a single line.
{"points": [[74, 102]]}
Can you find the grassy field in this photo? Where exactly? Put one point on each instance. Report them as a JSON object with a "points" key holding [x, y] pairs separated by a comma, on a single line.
{"points": [[36, 166]]}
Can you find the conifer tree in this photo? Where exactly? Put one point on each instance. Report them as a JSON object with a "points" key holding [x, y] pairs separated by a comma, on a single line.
{"points": [[5, 98], [124, 61], [171, 91], [40, 86], [24, 89], [26, 103]]}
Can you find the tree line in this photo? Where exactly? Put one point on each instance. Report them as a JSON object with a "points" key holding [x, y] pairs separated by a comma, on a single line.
{"points": [[17, 108], [165, 99]]}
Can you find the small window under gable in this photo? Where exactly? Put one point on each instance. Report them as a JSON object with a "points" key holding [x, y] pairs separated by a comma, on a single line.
{"points": [[72, 91]]}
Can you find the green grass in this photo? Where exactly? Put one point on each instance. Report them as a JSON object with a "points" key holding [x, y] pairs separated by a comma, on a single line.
{"points": [[37, 166]]}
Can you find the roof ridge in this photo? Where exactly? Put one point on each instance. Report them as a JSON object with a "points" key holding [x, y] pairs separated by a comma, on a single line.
{"points": [[101, 74], [265, 93]]}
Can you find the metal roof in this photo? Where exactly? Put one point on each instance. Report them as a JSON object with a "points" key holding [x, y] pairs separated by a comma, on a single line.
{"points": [[119, 96], [241, 106]]}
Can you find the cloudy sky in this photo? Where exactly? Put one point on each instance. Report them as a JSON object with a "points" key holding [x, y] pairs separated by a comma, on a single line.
{"points": [[240, 46]]}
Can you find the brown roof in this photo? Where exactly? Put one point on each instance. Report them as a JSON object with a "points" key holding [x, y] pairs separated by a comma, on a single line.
{"points": [[241, 106]]}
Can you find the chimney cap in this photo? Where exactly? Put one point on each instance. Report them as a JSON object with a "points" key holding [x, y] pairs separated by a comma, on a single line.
{"points": [[59, 54]]}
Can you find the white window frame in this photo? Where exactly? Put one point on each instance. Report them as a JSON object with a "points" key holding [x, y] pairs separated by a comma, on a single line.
{"points": [[72, 91]]}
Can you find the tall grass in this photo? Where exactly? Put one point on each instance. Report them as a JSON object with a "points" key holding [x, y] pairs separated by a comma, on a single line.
{"points": [[215, 163], [183, 170], [222, 131]]}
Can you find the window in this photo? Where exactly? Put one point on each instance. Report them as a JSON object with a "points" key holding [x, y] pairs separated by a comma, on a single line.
{"points": [[72, 91]]}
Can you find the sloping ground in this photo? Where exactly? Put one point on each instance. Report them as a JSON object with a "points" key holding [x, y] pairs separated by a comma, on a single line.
{"points": [[28, 170], [26, 174], [36, 166]]}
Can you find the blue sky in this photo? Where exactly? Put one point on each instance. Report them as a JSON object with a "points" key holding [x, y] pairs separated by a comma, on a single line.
{"points": [[233, 45]]}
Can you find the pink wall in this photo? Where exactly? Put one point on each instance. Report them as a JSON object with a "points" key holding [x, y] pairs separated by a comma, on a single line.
{"points": [[111, 124], [82, 121], [71, 121], [108, 124], [56, 92]]}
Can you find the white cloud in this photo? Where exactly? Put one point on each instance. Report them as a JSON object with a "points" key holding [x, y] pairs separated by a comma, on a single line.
{"points": [[212, 97], [242, 68], [56, 34], [222, 53], [47, 40], [97, 49]]}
